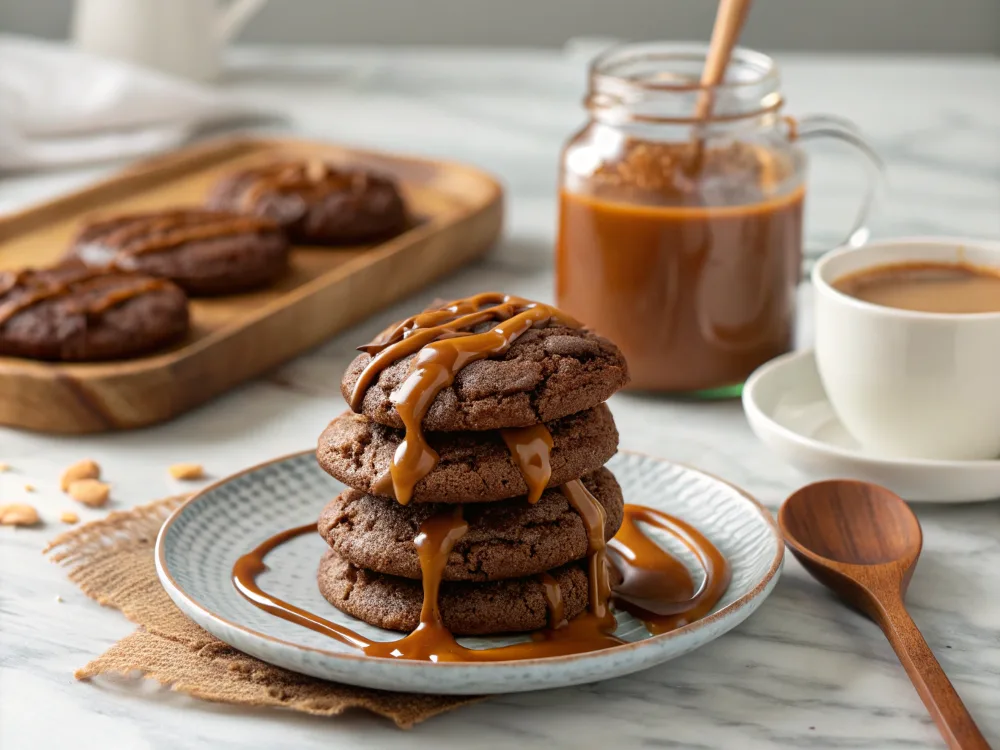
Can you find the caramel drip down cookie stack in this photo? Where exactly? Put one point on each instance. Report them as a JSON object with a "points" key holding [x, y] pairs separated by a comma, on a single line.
{"points": [[474, 456]]}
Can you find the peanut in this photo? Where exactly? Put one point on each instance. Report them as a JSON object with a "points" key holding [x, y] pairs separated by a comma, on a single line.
{"points": [[80, 470], [89, 492], [187, 472], [68, 516], [18, 515]]}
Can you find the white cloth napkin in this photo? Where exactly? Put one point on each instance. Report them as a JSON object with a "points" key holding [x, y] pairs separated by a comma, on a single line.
{"points": [[60, 107]]}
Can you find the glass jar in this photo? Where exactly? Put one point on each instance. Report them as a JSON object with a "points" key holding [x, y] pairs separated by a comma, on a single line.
{"points": [[680, 237]]}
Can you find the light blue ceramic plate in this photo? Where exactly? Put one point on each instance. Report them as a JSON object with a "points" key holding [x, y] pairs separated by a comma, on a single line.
{"points": [[200, 542]]}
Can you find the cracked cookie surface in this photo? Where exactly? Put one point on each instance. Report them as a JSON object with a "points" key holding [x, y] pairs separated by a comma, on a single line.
{"points": [[473, 467], [510, 606], [507, 539], [546, 374]]}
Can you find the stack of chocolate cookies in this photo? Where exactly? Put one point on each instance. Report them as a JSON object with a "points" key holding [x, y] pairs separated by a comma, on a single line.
{"points": [[478, 431]]}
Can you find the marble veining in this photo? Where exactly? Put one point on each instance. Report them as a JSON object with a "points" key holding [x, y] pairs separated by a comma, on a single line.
{"points": [[802, 672]]}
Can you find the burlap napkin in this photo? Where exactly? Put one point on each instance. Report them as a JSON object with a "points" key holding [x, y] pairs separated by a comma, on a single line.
{"points": [[112, 561]]}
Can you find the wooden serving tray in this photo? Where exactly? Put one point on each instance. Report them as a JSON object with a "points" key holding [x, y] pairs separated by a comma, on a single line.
{"points": [[459, 215]]}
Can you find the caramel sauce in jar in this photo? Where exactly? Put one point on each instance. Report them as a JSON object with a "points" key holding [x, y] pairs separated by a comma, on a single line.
{"points": [[684, 251]]}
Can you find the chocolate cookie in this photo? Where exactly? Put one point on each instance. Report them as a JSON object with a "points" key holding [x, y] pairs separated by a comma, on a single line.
{"points": [[507, 539], [546, 374], [74, 313], [315, 202], [204, 252], [473, 467], [510, 606]]}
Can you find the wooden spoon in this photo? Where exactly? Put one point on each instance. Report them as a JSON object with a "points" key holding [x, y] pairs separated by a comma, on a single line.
{"points": [[862, 541]]}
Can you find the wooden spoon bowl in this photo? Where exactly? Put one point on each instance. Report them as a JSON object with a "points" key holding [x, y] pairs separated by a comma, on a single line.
{"points": [[860, 523], [836, 534]]}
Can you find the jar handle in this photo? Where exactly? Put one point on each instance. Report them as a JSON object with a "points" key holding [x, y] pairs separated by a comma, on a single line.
{"points": [[815, 127]]}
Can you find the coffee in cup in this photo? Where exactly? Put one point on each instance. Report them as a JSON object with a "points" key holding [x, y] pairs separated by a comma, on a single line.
{"points": [[955, 288]]}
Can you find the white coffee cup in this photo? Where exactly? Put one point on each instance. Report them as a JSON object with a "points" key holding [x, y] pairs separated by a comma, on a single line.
{"points": [[904, 383], [179, 37]]}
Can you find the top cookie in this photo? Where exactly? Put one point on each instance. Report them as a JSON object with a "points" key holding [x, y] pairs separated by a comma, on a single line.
{"points": [[204, 252], [316, 203], [548, 373], [76, 314]]}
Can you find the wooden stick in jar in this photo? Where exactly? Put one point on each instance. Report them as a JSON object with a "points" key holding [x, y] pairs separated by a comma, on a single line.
{"points": [[729, 20]]}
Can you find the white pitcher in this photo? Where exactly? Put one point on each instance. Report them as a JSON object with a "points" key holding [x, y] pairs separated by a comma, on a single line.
{"points": [[180, 37]]}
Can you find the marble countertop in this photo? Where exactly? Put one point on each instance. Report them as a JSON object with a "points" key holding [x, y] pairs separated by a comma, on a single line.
{"points": [[802, 672]]}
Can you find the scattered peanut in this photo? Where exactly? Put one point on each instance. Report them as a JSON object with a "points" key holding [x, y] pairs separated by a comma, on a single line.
{"points": [[89, 492], [187, 472], [68, 516], [4, 467], [18, 515], [29, 488], [80, 470]]}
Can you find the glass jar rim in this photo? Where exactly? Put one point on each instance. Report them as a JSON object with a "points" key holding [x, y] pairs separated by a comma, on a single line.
{"points": [[603, 66], [660, 81]]}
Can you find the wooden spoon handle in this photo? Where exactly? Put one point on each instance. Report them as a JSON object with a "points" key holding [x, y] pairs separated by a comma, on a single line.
{"points": [[935, 689], [729, 21]]}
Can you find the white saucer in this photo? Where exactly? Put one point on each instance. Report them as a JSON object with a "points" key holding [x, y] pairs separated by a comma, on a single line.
{"points": [[788, 409]]}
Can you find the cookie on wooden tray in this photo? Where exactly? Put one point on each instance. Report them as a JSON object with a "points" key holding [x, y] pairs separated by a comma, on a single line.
{"points": [[510, 606], [546, 374], [204, 252], [315, 202], [74, 313], [473, 467], [506, 539]]}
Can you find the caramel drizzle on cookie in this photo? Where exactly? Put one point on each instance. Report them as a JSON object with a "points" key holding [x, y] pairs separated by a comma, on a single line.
{"points": [[553, 600], [431, 641], [11, 279], [52, 290], [531, 449], [308, 178], [592, 514], [115, 297], [155, 233], [443, 342]]}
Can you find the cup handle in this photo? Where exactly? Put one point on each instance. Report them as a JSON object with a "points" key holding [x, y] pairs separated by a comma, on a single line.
{"points": [[815, 127]]}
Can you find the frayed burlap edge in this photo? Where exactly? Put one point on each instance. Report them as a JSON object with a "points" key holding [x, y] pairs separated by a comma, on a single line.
{"points": [[112, 561]]}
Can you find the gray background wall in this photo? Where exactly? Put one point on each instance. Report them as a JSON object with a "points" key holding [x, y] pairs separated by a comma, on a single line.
{"points": [[870, 25]]}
